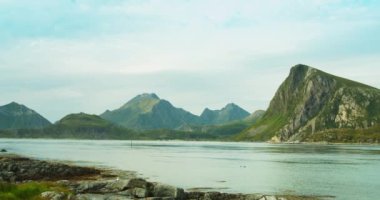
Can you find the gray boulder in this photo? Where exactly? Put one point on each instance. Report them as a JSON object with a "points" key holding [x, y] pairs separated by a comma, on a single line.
{"points": [[138, 192], [54, 195], [164, 190], [101, 197], [116, 186], [90, 186], [137, 183]]}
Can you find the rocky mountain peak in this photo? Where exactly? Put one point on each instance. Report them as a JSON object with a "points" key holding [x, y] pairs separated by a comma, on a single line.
{"points": [[17, 109], [230, 112], [300, 68], [147, 111], [299, 74], [231, 106], [311, 101], [144, 102], [13, 105], [206, 110], [15, 115], [145, 96], [149, 95]]}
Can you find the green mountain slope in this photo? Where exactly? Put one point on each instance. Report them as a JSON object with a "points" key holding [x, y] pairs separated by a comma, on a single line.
{"points": [[147, 112], [310, 103], [227, 130], [254, 117], [85, 126], [231, 112], [16, 116]]}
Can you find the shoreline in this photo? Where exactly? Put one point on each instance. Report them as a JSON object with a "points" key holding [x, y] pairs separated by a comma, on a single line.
{"points": [[220, 141], [101, 183]]}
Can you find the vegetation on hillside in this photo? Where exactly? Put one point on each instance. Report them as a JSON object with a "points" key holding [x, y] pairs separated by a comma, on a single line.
{"points": [[310, 105], [310, 101], [16, 116], [84, 126]]}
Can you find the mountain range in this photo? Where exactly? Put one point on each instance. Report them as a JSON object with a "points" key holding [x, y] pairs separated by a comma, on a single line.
{"points": [[148, 112], [146, 116], [309, 106]]}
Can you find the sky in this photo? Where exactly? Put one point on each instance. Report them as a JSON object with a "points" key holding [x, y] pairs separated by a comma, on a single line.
{"points": [[68, 56]]}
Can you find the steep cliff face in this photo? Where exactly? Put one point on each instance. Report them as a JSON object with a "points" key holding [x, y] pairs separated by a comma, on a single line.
{"points": [[17, 116], [311, 101]]}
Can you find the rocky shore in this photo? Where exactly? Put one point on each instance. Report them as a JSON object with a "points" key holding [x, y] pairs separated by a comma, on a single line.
{"points": [[85, 183]]}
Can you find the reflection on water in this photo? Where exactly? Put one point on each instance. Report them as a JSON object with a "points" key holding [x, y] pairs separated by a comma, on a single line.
{"points": [[344, 171]]}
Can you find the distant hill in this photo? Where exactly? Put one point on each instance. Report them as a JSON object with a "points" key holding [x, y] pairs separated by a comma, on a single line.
{"points": [[87, 126], [231, 112], [17, 116], [311, 105]]}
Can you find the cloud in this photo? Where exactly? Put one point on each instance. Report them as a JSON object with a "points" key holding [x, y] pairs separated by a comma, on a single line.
{"points": [[95, 55]]}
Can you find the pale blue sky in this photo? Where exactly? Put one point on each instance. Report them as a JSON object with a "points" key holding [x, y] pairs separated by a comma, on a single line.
{"points": [[65, 56]]}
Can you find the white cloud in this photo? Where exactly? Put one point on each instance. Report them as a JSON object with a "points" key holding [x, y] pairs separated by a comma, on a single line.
{"points": [[195, 53]]}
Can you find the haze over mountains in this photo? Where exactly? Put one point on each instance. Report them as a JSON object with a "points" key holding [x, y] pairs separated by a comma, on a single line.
{"points": [[310, 105]]}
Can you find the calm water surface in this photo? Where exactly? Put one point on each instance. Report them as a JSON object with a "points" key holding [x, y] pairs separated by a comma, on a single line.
{"points": [[344, 171]]}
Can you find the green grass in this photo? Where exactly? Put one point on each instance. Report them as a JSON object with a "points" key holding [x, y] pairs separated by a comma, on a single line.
{"points": [[27, 191], [266, 129]]}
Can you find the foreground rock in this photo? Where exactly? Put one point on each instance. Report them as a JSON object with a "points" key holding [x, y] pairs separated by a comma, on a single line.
{"points": [[14, 168], [94, 184]]}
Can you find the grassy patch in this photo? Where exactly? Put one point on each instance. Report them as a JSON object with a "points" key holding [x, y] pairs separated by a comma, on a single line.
{"points": [[370, 135], [25, 191], [264, 130]]}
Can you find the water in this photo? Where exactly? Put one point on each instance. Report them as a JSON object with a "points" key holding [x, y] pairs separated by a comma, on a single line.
{"points": [[344, 171]]}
